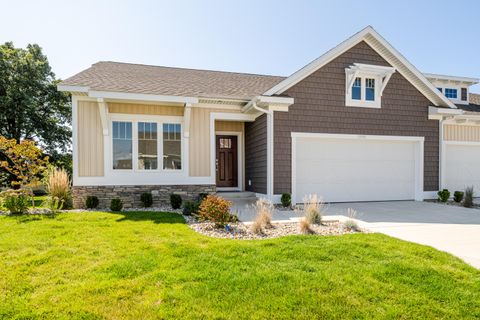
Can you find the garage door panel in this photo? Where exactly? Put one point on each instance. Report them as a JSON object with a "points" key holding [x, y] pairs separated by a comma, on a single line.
{"points": [[351, 171], [355, 170], [462, 166]]}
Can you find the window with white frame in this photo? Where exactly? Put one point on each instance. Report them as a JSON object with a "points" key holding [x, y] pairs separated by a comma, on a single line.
{"points": [[147, 146], [451, 93], [138, 145], [365, 84], [357, 89], [172, 147], [122, 145], [370, 89]]}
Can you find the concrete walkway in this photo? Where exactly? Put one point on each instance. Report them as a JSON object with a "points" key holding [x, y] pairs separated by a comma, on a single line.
{"points": [[448, 228]]}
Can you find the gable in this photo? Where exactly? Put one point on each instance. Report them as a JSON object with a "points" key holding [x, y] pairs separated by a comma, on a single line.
{"points": [[385, 50], [328, 82]]}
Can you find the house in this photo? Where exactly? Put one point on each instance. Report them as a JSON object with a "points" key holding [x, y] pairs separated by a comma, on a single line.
{"points": [[360, 123]]}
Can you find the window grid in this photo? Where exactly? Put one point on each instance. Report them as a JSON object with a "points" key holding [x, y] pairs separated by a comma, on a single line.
{"points": [[122, 149], [451, 93], [464, 94], [172, 151], [170, 148], [147, 145], [370, 89], [357, 89]]}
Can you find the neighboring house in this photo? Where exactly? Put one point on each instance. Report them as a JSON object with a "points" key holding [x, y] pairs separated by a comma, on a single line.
{"points": [[360, 123]]}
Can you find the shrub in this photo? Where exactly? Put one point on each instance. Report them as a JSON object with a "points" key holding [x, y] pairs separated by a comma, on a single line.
{"points": [[175, 201], [59, 186], [216, 210], [443, 195], [190, 207], [458, 196], [286, 200], [147, 199], [305, 226], [16, 201], [91, 202], [116, 204], [313, 208], [54, 204], [350, 223], [201, 196], [264, 210], [39, 191], [468, 200], [256, 227]]}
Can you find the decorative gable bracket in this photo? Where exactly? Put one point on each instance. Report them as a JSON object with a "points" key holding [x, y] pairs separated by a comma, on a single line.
{"points": [[381, 73]]}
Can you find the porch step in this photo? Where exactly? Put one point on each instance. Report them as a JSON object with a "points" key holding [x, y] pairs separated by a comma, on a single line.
{"points": [[237, 195]]}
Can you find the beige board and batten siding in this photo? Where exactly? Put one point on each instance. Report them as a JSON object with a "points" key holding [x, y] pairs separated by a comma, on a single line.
{"points": [[452, 132], [228, 126], [90, 137], [147, 109], [199, 144], [90, 140]]}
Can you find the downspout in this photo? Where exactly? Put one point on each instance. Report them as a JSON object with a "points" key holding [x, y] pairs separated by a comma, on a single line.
{"points": [[441, 165]]}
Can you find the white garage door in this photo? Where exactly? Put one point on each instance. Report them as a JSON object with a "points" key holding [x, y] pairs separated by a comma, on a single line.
{"points": [[462, 166], [357, 169]]}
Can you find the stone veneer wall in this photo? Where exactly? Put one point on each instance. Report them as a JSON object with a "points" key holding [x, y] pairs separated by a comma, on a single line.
{"points": [[130, 195]]}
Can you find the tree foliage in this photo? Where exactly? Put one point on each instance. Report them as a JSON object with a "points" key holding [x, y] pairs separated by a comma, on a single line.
{"points": [[31, 107], [22, 162]]}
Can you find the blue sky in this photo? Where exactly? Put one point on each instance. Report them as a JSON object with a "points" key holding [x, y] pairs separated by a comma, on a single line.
{"points": [[267, 37]]}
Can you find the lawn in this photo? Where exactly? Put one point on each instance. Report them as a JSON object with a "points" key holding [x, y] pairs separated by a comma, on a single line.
{"points": [[151, 265]]}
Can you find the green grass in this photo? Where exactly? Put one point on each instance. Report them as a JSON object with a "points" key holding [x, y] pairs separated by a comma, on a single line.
{"points": [[151, 265], [39, 201]]}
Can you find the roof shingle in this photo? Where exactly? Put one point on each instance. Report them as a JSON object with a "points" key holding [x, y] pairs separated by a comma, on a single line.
{"points": [[473, 106], [146, 79]]}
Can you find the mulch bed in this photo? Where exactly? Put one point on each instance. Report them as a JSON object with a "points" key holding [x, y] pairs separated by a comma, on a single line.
{"points": [[243, 231]]}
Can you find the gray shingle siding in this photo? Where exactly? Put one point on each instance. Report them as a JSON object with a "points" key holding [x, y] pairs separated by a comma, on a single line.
{"points": [[256, 155], [320, 107]]}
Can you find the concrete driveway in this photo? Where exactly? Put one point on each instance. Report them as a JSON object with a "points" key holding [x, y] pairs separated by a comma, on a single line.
{"points": [[448, 228]]}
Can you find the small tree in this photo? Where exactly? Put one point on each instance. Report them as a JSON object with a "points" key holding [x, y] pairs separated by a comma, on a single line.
{"points": [[23, 162]]}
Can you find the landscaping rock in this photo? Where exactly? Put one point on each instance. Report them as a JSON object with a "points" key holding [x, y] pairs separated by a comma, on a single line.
{"points": [[242, 230]]}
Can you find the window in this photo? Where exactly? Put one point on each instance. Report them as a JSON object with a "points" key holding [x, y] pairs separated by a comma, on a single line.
{"points": [[365, 84], [172, 158], [440, 89], [451, 93], [370, 89], [464, 94], [147, 146], [122, 145], [357, 89], [225, 143]]}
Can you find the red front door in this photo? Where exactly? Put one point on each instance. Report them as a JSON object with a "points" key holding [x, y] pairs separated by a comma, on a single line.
{"points": [[226, 161]]}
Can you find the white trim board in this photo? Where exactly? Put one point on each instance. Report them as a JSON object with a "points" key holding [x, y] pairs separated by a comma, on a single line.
{"points": [[419, 155], [371, 37]]}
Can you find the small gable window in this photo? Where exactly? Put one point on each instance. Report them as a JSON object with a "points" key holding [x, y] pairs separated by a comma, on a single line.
{"points": [[357, 89], [464, 94], [370, 89], [365, 84], [451, 93]]}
